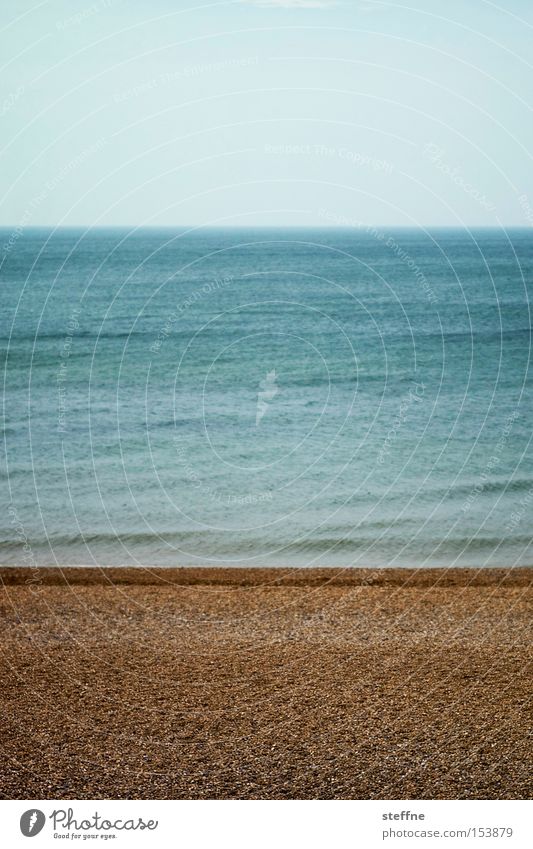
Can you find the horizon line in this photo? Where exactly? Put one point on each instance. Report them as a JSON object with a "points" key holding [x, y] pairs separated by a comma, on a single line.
{"points": [[325, 226]]}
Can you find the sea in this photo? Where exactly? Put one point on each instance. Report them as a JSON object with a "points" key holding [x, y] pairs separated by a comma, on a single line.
{"points": [[261, 396]]}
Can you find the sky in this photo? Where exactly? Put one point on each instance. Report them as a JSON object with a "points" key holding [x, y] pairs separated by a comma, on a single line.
{"points": [[266, 112]]}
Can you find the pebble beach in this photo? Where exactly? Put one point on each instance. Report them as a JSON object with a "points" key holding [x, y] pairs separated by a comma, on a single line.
{"points": [[265, 683]]}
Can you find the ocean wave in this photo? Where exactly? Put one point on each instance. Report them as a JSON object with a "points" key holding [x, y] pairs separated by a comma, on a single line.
{"points": [[209, 543]]}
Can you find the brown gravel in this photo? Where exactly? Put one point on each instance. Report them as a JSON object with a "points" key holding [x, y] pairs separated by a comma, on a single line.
{"points": [[213, 683]]}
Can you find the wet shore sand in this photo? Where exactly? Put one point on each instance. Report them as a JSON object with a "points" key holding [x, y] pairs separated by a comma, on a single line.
{"points": [[265, 683]]}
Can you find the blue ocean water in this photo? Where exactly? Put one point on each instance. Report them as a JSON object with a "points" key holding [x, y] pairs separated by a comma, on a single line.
{"points": [[261, 396]]}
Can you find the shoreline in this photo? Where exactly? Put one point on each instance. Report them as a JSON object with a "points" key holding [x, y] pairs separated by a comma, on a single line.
{"points": [[272, 575]]}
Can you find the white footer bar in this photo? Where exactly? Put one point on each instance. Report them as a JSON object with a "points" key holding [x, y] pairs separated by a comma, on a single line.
{"points": [[258, 824]]}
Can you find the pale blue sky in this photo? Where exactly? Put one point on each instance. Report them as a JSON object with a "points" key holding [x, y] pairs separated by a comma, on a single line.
{"points": [[250, 113]]}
